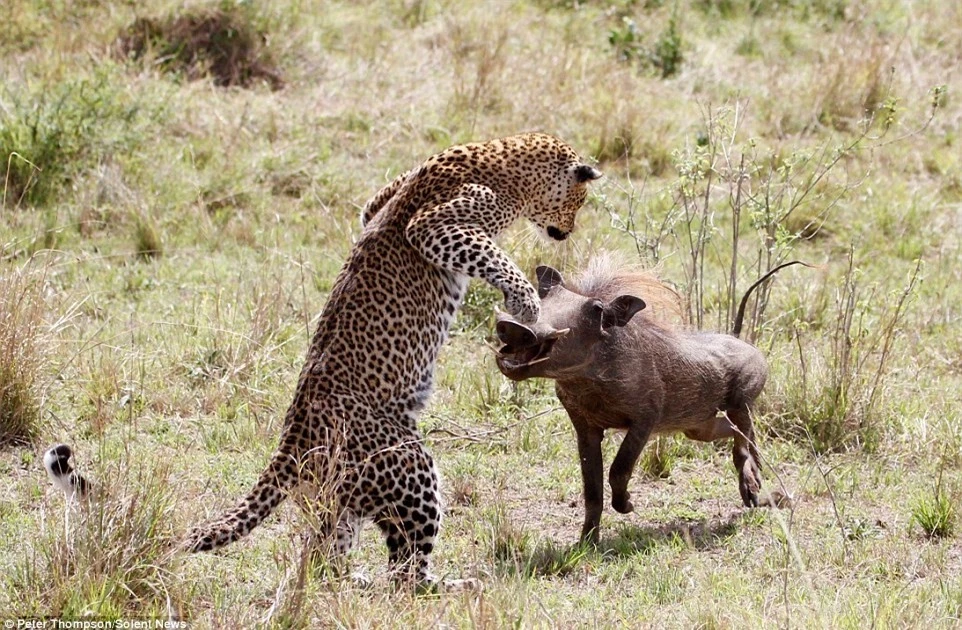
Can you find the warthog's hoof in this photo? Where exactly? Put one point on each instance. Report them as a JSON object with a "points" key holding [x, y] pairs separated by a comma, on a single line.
{"points": [[589, 534], [749, 483], [622, 503]]}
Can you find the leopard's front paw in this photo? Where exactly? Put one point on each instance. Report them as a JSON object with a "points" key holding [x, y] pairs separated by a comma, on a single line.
{"points": [[524, 307]]}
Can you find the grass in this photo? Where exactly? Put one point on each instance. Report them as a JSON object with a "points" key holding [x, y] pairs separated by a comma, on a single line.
{"points": [[109, 557], [167, 242], [23, 350], [935, 515]]}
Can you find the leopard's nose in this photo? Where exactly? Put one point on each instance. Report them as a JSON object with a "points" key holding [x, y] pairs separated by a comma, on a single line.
{"points": [[557, 234]]}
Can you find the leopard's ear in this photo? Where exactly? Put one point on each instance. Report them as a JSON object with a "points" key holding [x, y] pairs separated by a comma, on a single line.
{"points": [[586, 173]]}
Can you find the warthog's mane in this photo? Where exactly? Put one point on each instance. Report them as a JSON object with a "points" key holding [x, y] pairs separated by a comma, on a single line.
{"points": [[608, 275]]}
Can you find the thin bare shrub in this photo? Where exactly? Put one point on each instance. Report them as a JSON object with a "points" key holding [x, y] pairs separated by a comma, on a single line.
{"points": [[839, 378], [734, 212]]}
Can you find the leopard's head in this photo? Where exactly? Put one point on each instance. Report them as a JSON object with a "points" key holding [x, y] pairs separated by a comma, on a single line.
{"points": [[565, 192]]}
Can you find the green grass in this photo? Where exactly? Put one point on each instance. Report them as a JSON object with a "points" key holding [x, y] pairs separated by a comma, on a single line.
{"points": [[166, 245], [935, 515]]}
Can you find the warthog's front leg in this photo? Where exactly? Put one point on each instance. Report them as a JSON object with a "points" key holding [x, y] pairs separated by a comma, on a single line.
{"points": [[624, 464], [592, 477]]}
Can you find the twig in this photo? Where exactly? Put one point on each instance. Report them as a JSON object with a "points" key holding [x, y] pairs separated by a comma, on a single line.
{"points": [[831, 495], [478, 436]]}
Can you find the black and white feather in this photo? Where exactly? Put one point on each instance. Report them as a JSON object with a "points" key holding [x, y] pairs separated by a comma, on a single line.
{"points": [[57, 462]]}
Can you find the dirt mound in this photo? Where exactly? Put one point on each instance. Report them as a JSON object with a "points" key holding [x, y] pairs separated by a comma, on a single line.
{"points": [[208, 42]]}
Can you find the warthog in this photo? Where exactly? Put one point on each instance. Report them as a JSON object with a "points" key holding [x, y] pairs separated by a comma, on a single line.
{"points": [[619, 365]]}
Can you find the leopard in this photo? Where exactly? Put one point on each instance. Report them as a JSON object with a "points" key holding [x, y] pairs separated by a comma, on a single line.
{"points": [[350, 450]]}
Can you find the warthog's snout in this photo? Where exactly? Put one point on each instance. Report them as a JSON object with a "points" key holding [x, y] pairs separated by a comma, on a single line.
{"points": [[523, 346]]}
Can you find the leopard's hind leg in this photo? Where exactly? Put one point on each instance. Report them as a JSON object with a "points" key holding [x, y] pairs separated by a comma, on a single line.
{"points": [[397, 486]]}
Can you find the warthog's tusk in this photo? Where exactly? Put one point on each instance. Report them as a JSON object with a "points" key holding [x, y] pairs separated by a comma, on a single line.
{"points": [[535, 361], [497, 352]]}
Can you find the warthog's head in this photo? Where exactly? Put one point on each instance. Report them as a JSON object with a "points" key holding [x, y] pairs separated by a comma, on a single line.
{"points": [[563, 341]]}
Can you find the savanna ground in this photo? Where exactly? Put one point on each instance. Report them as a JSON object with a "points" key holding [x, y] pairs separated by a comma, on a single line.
{"points": [[172, 222]]}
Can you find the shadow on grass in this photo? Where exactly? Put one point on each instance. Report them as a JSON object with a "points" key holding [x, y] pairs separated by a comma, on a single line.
{"points": [[702, 534], [519, 554]]}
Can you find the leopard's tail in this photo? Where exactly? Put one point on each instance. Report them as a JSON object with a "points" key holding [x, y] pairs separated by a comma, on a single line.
{"points": [[269, 491]]}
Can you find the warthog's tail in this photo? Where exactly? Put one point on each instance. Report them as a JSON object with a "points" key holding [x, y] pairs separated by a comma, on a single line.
{"points": [[740, 316]]}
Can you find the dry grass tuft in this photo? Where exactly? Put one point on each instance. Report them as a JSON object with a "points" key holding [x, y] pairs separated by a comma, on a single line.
{"points": [[110, 555], [766, 138], [855, 85], [23, 352], [220, 43]]}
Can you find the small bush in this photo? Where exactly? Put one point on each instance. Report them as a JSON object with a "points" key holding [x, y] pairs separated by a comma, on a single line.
{"points": [[22, 354], [935, 515], [665, 55], [48, 136], [626, 40], [222, 43]]}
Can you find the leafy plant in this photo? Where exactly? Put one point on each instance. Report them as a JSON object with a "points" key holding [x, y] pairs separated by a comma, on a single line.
{"points": [[665, 55], [626, 40]]}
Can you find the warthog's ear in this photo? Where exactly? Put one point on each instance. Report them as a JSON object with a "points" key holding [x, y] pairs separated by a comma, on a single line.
{"points": [[514, 335], [621, 309], [548, 278], [585, 173]]}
